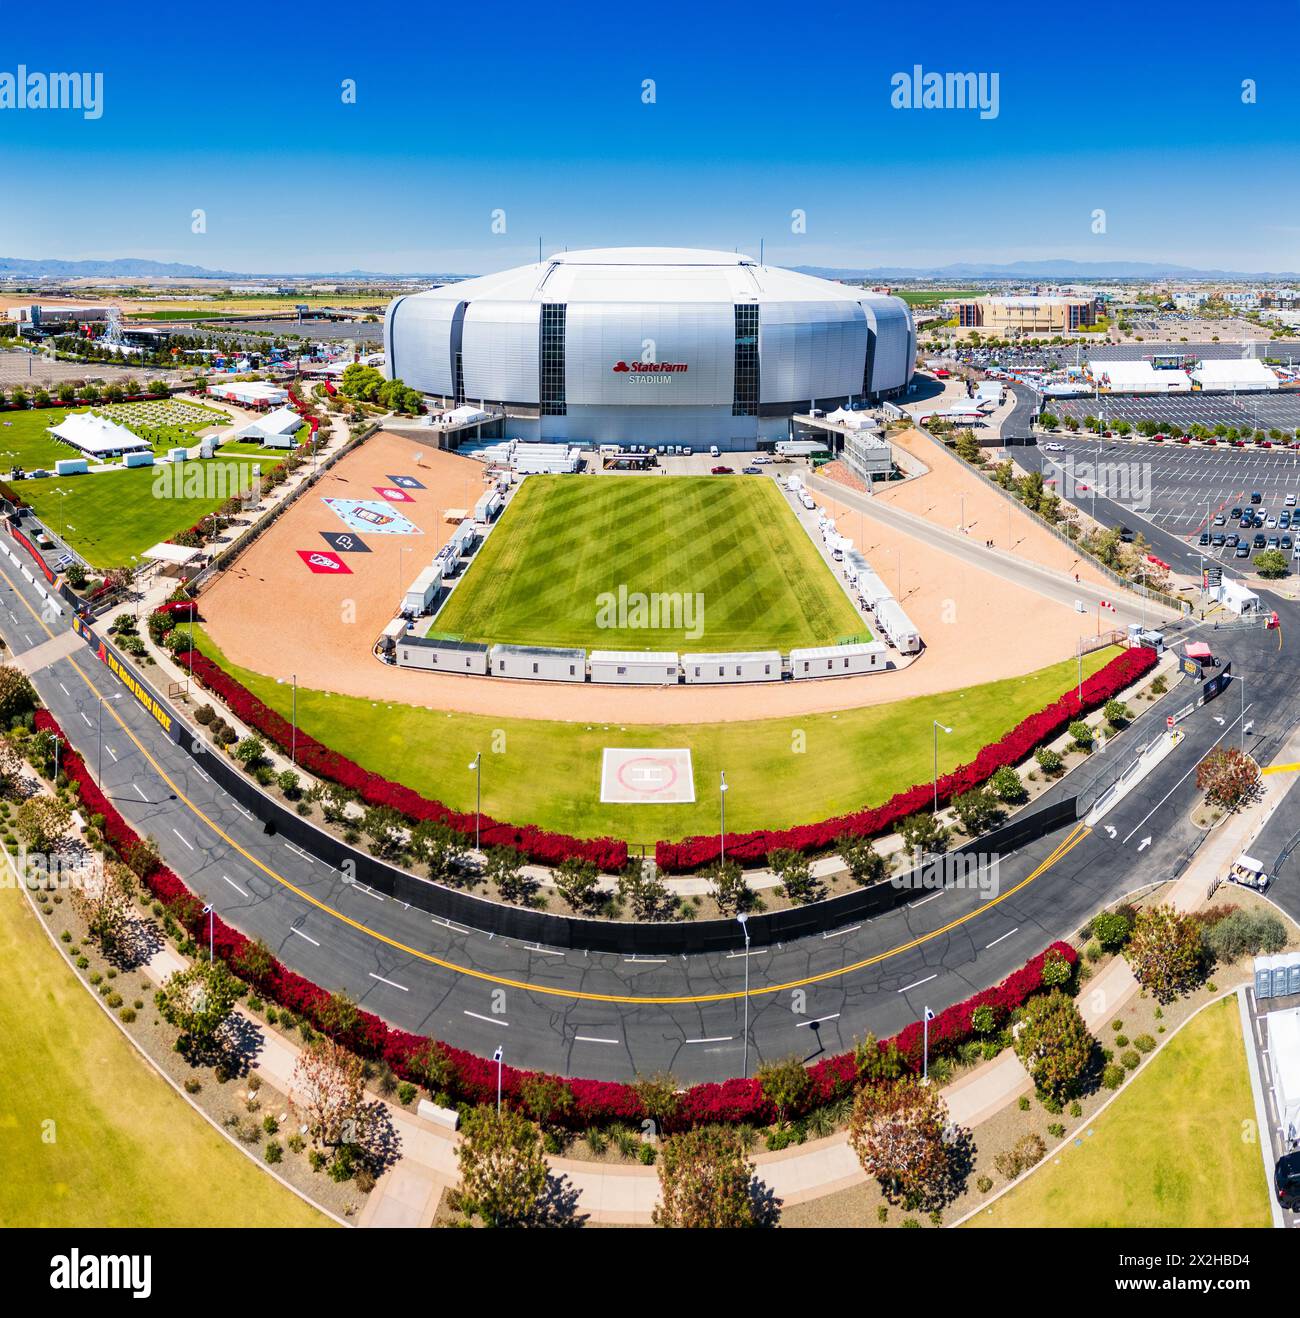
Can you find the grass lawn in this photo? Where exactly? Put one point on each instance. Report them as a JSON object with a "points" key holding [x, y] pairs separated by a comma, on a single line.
{"points": [[1168, 1153], [779, 771], [110, 516], [126, 1149], [564, 542]]}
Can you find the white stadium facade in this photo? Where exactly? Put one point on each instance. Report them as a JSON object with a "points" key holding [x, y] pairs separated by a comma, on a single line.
{"points": [[650, 346]]}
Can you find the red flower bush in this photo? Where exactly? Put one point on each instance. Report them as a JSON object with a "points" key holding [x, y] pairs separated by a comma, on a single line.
{"points": [[751, 848]]}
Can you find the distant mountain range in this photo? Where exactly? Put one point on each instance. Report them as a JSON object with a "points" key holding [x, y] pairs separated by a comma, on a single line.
{"points": [[1059, 269], [1053, 269]]}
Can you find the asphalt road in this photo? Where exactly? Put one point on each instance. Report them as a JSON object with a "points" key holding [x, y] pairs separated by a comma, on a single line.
{"points": [[611, 1016]]}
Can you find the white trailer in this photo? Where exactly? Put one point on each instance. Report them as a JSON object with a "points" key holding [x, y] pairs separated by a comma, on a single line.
{"points": [[71, 467], [753, 666], [635, 667], [489, 506], [443, 656], [461, 540], [838, 660], [1284, 1056], [870, 588], [538, 663], [421, 593], [896, 626]]}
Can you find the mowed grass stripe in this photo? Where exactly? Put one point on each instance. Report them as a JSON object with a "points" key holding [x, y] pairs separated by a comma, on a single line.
{"points": [[565, 541]]}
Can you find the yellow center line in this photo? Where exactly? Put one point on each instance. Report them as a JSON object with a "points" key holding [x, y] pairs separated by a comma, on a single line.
{"points": [[1067, 844], [1283, 768]]}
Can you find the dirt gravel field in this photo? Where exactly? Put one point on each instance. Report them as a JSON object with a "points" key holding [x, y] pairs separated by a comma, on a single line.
{"points": [[272, 614]]}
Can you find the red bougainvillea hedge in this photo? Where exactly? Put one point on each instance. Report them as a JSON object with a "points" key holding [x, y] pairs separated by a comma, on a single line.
{"points": [[473, 1079], [752, 848]]}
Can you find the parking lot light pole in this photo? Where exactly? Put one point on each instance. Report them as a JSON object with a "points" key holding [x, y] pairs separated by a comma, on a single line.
{"points": [[497, 1058], [722, 816], [926, 1017], [476, 768], [208, 911], [937, 726]]}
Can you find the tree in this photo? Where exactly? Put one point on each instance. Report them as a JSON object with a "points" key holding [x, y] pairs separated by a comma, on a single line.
{"points": [[503, 1172], [386, 829], [795, 872], [251, 751], [865, 863], [705, 1180], [730, 890], [105, 905], [439, 847], [11, 768], [546, 1098], [1164, 952], [17, 697], [1049, 420], [1117, 712], [1270, 563], [505, 870], [786, 1085], [1081, 734], [876, 1064], [923, 832], [1054, 1045], [897, 1131], [338, 1015], [576, 881], [1227, 776], [198, 1001], [330, 1083], [41, 821], [645, 892], [977, 810], [1005, 784], [253, 962]]}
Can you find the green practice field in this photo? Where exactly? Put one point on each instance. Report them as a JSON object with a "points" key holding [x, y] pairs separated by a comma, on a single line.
{"points": [[1170, 1151], [570, 558], [779, 771], [109, 517], [89, 1134]]}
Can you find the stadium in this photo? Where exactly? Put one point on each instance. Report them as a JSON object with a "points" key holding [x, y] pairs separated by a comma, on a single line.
{"points": [[650, 345]]}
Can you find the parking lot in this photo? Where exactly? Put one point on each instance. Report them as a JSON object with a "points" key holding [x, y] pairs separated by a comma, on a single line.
{"points": [[1264, 411], [1179, 488]]}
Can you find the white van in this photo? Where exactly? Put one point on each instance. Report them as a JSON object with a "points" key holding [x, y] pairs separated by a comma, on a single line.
{"points": [[713, 451], [806, 500]]}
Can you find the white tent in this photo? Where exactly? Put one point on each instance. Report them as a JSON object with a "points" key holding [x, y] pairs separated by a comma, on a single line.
{"points": [[275, 430], [1235, 597], [1227, 373], [98, 437], [1138, 378]]}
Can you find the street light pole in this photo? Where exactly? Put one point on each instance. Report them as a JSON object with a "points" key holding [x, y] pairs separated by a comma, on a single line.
{"points": [[208, 911], [1242, 733], [722, 815], [926, 1017], [937, 726], [743, 920], [477, 769], [496, 1057]]}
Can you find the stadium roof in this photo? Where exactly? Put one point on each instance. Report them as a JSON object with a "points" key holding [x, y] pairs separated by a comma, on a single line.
{"points": [[96, 435], [651, 274]]}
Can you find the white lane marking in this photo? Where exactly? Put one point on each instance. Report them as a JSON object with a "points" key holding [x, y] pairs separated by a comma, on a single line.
{"points": [[138, 792], [753, 951], [200, 772], [87, 722], [644, 960], [370, 892], [835, 933], [112, 752], [491, 1020], [64, 689], [447, 924], [996, 941], [591, 1038], [720, 1038], [234, 885], [389, 982], [935, 897], [183, 839], [799, 1025], [298, 851], [919, 982], [300, 934], [247, 814], [542, 951]]}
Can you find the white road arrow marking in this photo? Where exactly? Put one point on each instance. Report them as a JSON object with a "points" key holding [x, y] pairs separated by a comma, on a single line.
{"points": [[1144, 844], [1218, 720], [1110, 831]]}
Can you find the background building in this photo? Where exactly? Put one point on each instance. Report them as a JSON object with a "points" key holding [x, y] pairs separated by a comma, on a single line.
{"points": [[650, 345], [1031, 314]]}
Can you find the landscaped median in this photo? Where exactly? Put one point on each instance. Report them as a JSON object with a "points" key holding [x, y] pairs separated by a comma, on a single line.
{"points": [[546, 847], [453, 1075]]}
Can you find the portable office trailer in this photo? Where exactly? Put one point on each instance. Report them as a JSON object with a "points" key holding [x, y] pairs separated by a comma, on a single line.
{"points": [[871, 588], [423, 590], [1284, 1057], [461, 540], [138, 460], [442, 656], [838, 660], [896, 626], [635, 667], [754, 666], [538, 663], [177, 455], [71, 467], [489, 506]]}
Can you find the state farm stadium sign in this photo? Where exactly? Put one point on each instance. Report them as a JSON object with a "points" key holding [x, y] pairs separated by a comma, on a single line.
{"points": [[650, 372]]}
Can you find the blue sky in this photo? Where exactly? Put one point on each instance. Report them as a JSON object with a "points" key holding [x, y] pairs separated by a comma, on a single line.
{"points": [[759, 110]]}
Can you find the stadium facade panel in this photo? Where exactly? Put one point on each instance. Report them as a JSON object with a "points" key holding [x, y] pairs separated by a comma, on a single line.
{"points": [[651, 345]]}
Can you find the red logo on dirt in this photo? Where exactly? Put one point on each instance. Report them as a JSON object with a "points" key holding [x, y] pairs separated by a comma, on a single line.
{"points": [[393, 494], [322, 561], [650, 368]]}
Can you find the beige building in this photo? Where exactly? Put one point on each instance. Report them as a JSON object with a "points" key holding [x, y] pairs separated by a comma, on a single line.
{"points": [[1027, 315]]}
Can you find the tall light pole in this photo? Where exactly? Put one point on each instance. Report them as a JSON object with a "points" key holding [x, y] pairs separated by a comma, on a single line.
{"points": [[293, 736], [476, 768], [1242, 733], [743, 920], [926, 1017], [722, 815], [937, 726], [497, 1058], [208, 911]]}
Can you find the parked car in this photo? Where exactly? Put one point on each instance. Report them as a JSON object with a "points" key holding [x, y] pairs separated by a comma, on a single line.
{"points": [[1243, 550], [1256, 496], [1286, 542], [1235, 514], [1260, 542], [752, 471], [1286, 1180], [1290, 500], [1220, 519], [720, 471], [1270, 522], [1274, 542], [1204, 539], [1233, 540], [1219, 540]]}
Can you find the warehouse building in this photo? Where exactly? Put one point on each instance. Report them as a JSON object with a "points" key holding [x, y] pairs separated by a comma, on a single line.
{"points": [[650, 346]]}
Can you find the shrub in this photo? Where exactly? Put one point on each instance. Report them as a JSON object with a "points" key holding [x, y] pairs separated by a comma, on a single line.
{"points": [[1081, 734], [1049, 761], [977, 810], [1130, 1059], [1054, 1045], [1144, 1043], [1112, 928], [1006, 785], [1025, 1153], [1245, 933], [1113, 1076]]}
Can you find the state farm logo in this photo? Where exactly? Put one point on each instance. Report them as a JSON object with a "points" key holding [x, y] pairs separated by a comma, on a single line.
{"points": [[649, 368]]}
